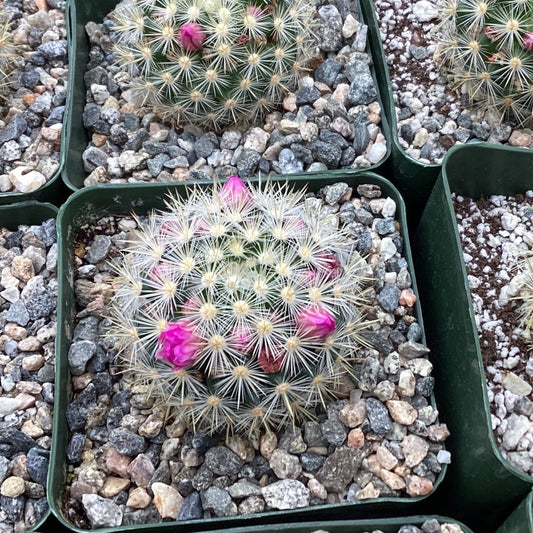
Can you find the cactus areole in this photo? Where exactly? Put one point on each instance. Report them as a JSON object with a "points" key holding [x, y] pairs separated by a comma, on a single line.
{"points": [[213, 62], [240, 307]]}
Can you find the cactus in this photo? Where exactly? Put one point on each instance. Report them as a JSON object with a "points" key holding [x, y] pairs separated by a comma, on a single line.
{"points": [[213, 62], [526, 296], [240, 307], [7, 52], [487, 47]]}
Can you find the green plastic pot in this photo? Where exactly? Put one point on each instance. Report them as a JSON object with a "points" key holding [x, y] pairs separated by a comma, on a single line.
{"points": [[27, 213], [414, 179], [481, 485], [521, 519], [386, 525], [78, 13], [92, 203]]}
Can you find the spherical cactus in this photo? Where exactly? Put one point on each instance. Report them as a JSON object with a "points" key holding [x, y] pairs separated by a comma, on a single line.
{"points": [[240, 307], [213, 62], [487, 47]]}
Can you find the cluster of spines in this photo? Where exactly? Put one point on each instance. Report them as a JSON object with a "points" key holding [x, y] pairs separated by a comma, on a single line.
{"points": [[526, 296], [240, 275], [7, 51], [487, 47], [213, 62]]}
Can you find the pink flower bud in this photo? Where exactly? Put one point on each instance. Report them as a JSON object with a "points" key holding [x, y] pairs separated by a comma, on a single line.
{"points": [[240, 339], [255, 12], [192, 305], [179, 344], [330, 264], [528, 41], [306, 277], [269, 362], [191, 36], [234, 191], [316, 321], [489, 32], [160, 272]]}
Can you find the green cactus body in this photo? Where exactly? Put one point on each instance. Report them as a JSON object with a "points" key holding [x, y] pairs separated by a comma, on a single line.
{"points": [[240, 308], [487, 46], [213, 62]]}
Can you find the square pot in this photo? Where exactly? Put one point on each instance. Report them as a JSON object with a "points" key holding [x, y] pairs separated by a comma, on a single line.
{"points": [[483, 486], [79, 13], [91, 204], [11, 217], [385, 525], [521, 519]]}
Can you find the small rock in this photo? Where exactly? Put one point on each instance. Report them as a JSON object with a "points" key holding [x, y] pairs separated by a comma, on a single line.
{"points": [[285, 465], [138, 499], [286, 494], [414, 449], [167, 500], [101, 512], [25, 179], [12, 487]]}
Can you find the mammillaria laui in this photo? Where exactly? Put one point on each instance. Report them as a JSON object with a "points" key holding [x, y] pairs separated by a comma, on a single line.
{"points": [[240, 307]]}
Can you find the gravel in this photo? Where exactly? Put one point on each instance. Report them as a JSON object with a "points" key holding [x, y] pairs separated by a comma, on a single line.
{"points": [[382, 440], [332, 120], [493, 231], [431, 117], [31, 115], [26, 371]]}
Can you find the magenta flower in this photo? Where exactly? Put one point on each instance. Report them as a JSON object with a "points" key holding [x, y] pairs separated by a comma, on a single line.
{"points": [[234, 191], [316, 321], [191, 36], [179, 344], [528, 41]]}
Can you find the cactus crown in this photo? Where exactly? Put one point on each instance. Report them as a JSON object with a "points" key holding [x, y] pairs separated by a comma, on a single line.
{"points": [[213, 62], [487, 45], [240, 307]]}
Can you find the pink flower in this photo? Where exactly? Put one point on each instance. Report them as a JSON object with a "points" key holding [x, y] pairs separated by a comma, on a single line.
{"points": [[234, 191], [316, 321], [191, 36], [528, 41], [179, 344]]}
